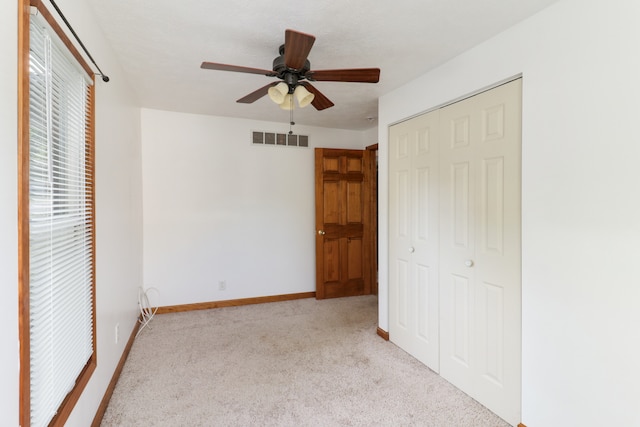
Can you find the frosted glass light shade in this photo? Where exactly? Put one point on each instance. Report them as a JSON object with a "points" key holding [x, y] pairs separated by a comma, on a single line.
{"points": [[303, 96], [287, 104], [277, 93]]}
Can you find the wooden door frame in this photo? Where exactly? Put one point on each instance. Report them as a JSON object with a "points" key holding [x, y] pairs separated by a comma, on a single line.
{"points": [[371, 213]]}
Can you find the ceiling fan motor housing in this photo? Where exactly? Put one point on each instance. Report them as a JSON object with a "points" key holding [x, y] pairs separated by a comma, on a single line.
{"points": [[289, 75]]}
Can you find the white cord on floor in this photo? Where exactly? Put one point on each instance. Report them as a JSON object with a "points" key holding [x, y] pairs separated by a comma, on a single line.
{"points": [[146, 311]]}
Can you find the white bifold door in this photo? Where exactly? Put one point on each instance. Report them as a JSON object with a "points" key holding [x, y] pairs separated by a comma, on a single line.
{"points": [[455, 247], [413, 244]]}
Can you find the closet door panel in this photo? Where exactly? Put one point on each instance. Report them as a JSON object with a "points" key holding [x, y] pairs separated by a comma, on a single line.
{"points": [[425, 238], [400, 225], [498, 254], [480, 248], [413, 239]]}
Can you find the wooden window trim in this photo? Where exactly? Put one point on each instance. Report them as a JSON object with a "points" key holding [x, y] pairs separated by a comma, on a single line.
{"points": [[23, 213]]}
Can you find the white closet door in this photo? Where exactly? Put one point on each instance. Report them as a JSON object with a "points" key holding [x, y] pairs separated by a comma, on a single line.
{"points": [[413, 238], [480, 248]]}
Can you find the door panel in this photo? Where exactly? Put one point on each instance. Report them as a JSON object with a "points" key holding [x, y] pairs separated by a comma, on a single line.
{"points": [[491, 333], [423, 215], [424, 326], [480, 326], [401, 293], [354, 202], [331, 202], [401, 205], [413, 238], [355, 256], [492, 202], [460, 288], [331, 260], [461, 200], [341, 240]]}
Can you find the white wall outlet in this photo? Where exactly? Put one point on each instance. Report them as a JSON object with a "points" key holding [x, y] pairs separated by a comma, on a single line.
{"points": [[117, 332], [222, 285]]}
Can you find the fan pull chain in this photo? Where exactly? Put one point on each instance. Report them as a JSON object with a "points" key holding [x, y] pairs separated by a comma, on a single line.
{"points": [[291, 122]]}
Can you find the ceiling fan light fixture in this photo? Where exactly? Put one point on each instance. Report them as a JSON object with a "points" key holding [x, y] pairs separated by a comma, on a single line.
{"points": [[278, 92], [303, 96], [287, 103], [293, 66]]}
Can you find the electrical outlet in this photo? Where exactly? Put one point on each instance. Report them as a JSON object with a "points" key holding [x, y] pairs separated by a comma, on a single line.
{"points": [[222, 285], [117, 332]]}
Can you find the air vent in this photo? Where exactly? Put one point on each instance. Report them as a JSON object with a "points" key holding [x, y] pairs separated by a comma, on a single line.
{"points": [[270, 138]]}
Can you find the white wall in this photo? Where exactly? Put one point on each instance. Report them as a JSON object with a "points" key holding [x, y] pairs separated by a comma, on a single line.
{"points": [[118, 213], [118, 209], [9, 361], [580, 200], [217, 207], [370, 136]]}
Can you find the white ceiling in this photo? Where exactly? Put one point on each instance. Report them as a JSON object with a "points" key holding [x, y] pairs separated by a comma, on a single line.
{"points": [[161, 44]]}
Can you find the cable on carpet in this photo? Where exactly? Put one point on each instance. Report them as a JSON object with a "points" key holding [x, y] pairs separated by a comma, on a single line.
{"points": [[146, 310]]}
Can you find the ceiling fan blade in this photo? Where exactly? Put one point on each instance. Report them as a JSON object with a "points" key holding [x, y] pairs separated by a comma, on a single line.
{"points": [[236, 68], [355, 75], [257, 94], [297, 46], [320, 102]]}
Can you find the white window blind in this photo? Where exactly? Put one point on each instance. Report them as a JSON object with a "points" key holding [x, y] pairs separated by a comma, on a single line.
{"points": [[60, 223]]}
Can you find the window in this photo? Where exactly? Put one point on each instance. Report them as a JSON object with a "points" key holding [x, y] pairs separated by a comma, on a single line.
{"points": [[56, 214]]}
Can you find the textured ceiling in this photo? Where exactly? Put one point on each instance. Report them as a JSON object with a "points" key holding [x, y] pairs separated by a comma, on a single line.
{"points": [[161, 44]]}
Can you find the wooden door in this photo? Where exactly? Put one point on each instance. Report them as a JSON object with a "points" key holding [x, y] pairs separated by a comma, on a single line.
{"points": [[480, 289], [413, 237], [343, 248]]}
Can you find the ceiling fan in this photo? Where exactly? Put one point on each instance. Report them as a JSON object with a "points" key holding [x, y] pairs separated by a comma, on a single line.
{"points": [[294, 70]]}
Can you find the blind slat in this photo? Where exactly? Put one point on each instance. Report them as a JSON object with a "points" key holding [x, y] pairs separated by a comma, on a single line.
{"points": [[61, 223]]}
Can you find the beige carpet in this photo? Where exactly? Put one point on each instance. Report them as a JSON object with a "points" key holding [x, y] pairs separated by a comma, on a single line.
{"points": [[295, 363]]}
